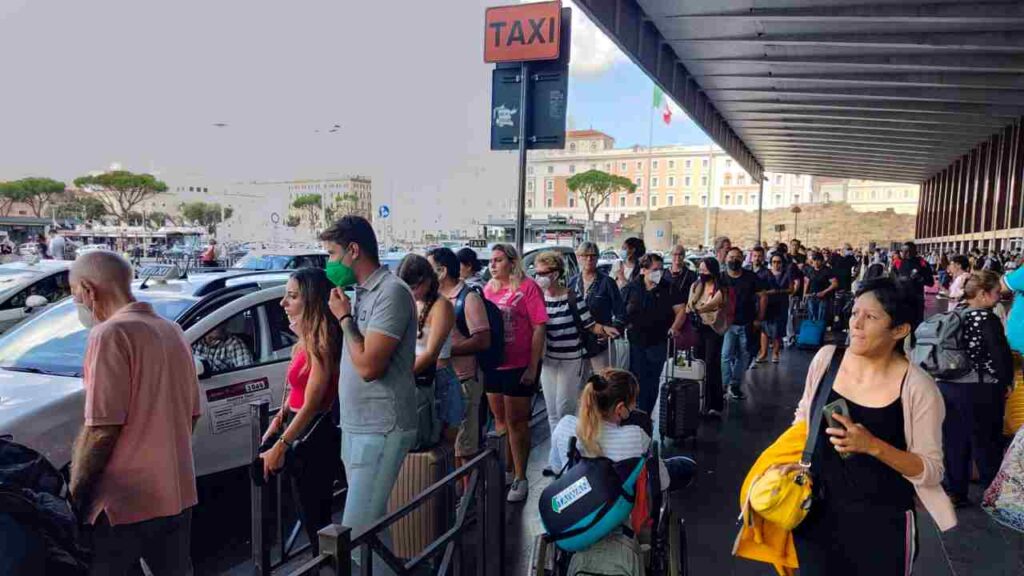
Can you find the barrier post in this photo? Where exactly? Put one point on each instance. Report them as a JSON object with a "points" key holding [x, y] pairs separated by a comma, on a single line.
{"points": [[262, 517], [336, 540], [493, 524]]}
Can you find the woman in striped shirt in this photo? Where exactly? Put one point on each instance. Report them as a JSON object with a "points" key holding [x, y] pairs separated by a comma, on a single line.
{"points": [[564, 365]]}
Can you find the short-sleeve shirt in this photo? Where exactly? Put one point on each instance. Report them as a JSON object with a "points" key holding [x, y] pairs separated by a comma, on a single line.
{"points": [[818, 280], [1015, 324], [521, 310], [617, 443], [139, 375], [476, 322], [744, 290], [563, 336], [383, 304]]}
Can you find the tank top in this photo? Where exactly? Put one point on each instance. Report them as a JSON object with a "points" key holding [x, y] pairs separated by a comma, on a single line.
{"points": [[298, 378], [446, 347], [862, 481]]}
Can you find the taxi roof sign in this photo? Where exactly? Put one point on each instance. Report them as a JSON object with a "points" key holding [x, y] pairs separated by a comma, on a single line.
{"points": [[522, 32]]}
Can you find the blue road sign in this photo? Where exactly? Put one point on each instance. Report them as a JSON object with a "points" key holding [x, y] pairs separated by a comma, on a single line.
{"points": [[384, 211]]}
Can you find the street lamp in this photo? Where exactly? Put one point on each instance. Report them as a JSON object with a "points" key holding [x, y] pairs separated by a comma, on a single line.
{"points": [[796, 217]]}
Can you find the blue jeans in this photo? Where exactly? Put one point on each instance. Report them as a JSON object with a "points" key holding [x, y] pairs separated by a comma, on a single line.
{"points": [[816, 309], [735, 357], [372, 463], [647, 364]]}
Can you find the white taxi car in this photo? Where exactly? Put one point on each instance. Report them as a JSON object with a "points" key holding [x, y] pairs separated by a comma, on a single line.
{"points": [[26, 288], [41, 392]]}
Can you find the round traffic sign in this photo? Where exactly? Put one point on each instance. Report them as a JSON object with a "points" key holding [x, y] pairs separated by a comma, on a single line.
{"points": [[384, 211], [275, 217]]}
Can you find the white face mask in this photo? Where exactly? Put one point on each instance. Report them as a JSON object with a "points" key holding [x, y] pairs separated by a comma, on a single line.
{"points": [[85, 315], [544, 282], [655, 276]]}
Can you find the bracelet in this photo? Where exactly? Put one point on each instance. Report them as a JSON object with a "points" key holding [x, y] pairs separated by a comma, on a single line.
{"points": [[285, 442], [343, 318]]}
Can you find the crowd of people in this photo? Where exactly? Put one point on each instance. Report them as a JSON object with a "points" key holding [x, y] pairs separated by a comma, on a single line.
{"points": [[407, 363]]}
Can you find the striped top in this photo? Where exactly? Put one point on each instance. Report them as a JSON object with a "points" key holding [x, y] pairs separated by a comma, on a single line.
{"points": [[563, 339], [617, 443]]}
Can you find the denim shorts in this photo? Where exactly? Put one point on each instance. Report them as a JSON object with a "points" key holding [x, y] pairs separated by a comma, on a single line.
{"points": [[448, 390]]}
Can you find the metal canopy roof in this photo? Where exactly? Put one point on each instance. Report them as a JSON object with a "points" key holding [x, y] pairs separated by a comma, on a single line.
{"points": [[884, 90]]}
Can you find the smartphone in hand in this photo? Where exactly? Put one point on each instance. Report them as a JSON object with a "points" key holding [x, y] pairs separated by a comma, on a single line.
{"points": [[830, 410]]}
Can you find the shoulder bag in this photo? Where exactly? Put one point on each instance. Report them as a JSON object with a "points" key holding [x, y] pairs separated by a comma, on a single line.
{"points": [[784, 498], [589, 342]]}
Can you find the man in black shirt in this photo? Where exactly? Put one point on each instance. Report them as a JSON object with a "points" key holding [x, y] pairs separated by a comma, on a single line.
{"points": [[743, 287], [819, 285], [843, 265], [760, 269], [912, 268], [680, 275]]}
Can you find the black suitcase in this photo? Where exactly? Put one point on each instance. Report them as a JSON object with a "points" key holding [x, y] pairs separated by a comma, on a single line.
{"points": [[679, 401]]}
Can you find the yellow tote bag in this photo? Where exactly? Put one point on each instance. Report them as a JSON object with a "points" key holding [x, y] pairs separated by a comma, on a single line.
{"points": [[1013, 419]]}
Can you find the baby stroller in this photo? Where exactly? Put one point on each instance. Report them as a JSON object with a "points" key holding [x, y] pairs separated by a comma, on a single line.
{"points": [[662, 540]]}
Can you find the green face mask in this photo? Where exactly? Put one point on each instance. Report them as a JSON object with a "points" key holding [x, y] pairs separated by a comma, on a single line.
{"points": [[340, 275]]}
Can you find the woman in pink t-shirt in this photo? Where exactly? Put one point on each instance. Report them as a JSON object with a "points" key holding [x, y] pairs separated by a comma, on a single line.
{"points": [[511, 387]]}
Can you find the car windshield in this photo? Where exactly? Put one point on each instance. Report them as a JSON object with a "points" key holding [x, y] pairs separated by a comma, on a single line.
{"points": [[264, 262], [54, 342]]}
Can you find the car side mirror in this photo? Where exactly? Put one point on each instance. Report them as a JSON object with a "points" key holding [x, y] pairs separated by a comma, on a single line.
{"points": [[200, 366], [35, 301]]}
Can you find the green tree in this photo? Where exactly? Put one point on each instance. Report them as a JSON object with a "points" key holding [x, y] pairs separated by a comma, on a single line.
{"points": [[205, 214], [311, 204], [158, 219], [38, 193], [91, 208], [347, 204], [10, 192], [122, 191], [292, 222], [594, 187]]}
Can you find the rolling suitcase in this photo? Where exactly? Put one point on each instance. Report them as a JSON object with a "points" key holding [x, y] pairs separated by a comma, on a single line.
{"points": [[414, 532], [812, 331], [681, 397]]}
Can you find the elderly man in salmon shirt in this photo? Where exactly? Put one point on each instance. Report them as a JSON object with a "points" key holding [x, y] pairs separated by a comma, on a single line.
{"points": [[132, 475]]}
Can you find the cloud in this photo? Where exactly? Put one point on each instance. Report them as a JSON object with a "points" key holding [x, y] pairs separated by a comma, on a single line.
{"points": [[593, 53]]}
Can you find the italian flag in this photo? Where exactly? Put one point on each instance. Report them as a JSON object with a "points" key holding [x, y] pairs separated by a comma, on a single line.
{"points": [[660, 102]]}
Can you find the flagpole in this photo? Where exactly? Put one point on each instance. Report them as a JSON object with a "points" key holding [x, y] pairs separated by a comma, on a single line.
{"points": [[650, 170]]}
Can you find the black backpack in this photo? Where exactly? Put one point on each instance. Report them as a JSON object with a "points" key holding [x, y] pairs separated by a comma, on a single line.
{"points": [[34, 495], [491, 358]]}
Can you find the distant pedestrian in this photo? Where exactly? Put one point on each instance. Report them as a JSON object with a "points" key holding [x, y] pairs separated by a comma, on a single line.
{"points": [[470, 268], [708, 303], [649, 316], [633, 249], [42, 248], [604, 299], [132, 474], [209, 256], [57, 245], [959, 271], [376, 390], [912, 267], [779, 286], [743, 292]]}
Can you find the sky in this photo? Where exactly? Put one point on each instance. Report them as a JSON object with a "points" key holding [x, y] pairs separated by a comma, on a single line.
{"points": [[86, 84]]}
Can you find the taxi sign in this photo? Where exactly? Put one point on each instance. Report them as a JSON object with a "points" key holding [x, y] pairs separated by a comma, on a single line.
{"points": [[522, 32]]}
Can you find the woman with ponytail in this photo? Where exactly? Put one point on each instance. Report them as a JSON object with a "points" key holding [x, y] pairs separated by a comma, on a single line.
{"points": [[604, 427], [433, 365]]}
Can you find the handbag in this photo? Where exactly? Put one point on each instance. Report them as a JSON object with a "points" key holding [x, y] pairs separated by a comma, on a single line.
{"points": [[688, 336], [784, 497], [588, 340], [321, 429]]}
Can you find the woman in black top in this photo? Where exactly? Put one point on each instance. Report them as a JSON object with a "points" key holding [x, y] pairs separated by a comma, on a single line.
{"points": [[603, 298], [972, 430], [649, 315]]}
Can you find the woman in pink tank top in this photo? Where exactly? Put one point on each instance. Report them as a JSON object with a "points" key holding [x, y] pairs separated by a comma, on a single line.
{"points": [[303, 438]]}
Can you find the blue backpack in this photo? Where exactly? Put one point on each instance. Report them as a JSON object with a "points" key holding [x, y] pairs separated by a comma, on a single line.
{"points": [[590, 498]]}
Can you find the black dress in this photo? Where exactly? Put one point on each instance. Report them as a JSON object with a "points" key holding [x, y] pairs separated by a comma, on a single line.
{"points": [[862, 521]]}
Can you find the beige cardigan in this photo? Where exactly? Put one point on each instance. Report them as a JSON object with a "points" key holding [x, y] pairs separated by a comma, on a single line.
{"points": [[923, 412]]}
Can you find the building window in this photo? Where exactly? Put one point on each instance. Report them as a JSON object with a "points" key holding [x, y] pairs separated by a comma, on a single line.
{"points": [[728, 163], [572, 146], [703, 200], [572, 168], [703, 180], [825, 198], [704, 163], [688, 164], [753, 198], [778, 199], [549, 185], [608, 167], [686, 181], [572, 202], [671, 181], [654, 182], [778, 179], [549, 202], [671, 200], [529, 202], [654, 164], [636, 200], [796, 198], [874, 194], [654, 201], [888, 194], [622, 167], [622, 200], [739, 199], [906, 193], [191, 188], [726, 200], [686, 200], [593, 166], [671, 164], [529, 185], [728, 179], [741, 179], [529, 170], [639, 165], [639, 182]]}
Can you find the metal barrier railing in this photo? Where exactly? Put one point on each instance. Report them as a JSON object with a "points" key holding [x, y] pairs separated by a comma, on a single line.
{"points": [[267, 504], [482, 507]]}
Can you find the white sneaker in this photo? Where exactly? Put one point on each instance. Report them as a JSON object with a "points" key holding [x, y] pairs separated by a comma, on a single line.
{"points": [[520, 489], [509, 478]]}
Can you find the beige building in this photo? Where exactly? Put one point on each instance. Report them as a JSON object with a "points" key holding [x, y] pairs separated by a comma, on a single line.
{"points": [[685, 176]]}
